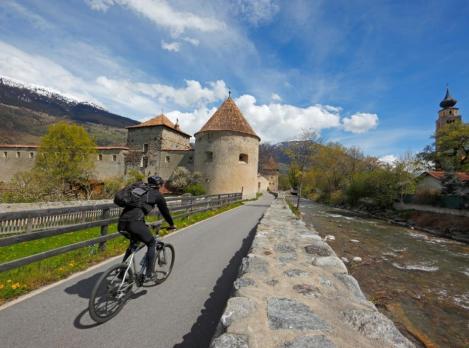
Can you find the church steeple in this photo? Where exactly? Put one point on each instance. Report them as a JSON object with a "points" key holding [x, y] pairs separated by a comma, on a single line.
{"points": [[449, 101]]}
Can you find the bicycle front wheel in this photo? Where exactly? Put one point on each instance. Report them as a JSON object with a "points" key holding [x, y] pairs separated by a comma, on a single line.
{"points": [[110, 293], [164, 263]]}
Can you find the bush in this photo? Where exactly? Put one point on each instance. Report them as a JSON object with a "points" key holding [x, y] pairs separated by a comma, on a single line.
{"points": [[430, 196], [111, 186], [134, 175], [195, 189]]}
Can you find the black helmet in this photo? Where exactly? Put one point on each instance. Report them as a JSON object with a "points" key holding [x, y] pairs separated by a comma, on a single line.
{"points": [[155, 181]]}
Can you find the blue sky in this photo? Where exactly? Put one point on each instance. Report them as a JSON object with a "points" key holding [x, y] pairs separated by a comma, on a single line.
{"points": [[367, 72]]}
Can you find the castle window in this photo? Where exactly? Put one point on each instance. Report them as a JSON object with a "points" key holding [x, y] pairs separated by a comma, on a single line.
{"points": [[243, 158], [100, 157], [5, 154], [145, 148], [167, 159], [114, 158], [190, 159], [208, 156], [31, 155], [144, 162], [18, 154]]}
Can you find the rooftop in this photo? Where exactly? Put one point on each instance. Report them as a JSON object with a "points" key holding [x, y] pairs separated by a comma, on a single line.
{"points": [[439, 175], [160, 120], [228, 117]]}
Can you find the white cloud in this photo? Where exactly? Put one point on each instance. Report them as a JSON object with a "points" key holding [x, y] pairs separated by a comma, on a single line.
{"points": [[388, 159], [162, 14], [278, 122], [192, 95], [170, 46], [276, 97], [192, 41], [360, 122], [256, 12]]}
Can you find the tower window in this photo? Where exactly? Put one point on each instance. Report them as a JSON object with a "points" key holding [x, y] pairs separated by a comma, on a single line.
{"points": [[144, 162], [145, 148], [167, 159], [18, 154], [208, 156], [31, 155], [243, 158], [114, 158], [100, 157], [5, 154]]}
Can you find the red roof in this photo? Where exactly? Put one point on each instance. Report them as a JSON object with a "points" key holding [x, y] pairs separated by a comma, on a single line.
{"points": [[160, 120], [439, 175], [228, 117]]}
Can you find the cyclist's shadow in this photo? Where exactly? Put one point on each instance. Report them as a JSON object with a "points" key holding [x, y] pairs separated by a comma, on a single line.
{"points": [[83, 289]]}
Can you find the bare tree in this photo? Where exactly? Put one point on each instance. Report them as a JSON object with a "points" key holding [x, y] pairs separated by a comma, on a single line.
{"points": [[301, 153]]}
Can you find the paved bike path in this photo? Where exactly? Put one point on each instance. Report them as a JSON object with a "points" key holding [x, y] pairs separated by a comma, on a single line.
{"points": [[181, 312]]}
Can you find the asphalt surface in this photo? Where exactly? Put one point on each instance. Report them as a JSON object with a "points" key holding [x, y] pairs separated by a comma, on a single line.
{"points": [[182, 312]]}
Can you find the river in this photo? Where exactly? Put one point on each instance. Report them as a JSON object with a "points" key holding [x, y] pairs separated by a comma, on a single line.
{"points": [[418, 280]]}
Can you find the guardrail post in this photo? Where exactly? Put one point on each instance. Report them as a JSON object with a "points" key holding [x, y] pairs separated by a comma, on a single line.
{"points": [[104, 229]]}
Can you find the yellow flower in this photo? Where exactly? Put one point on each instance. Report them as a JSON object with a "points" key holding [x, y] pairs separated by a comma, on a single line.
{"points": [[1, 286], [16, 285], [9, 281]]}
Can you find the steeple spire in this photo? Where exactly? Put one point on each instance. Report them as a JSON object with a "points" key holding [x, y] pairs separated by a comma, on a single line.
{"points": [[449, 101]]}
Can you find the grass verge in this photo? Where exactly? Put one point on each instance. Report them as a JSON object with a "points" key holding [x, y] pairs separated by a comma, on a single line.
{"points": [[20, 281], [293, 208]]}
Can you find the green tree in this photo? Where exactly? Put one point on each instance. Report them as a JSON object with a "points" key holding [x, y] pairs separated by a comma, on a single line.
{"points": [[452, 144], [65, 155]]}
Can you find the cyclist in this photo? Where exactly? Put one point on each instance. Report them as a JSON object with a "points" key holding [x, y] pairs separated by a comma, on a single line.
{"points": [[132, 220]]}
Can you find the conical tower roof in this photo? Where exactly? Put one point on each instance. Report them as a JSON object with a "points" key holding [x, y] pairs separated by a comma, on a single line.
{"points": [[228, 117], [449, 101], [270, 164]]}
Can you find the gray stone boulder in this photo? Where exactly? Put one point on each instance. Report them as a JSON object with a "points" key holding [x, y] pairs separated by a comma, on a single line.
{"points": [[237, 308], [351, 284], [319, 249], [254, 264], [332, 263], [284, 313], [230, 341], [374, 325], [285, 248], [319, 341], [243, 283], [295, 272]]}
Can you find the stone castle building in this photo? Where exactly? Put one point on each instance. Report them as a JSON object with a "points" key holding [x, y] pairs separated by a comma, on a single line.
{"points": [[225, 153]]}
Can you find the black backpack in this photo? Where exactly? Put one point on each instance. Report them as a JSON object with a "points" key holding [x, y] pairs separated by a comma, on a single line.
{"points": [[134, 195]]}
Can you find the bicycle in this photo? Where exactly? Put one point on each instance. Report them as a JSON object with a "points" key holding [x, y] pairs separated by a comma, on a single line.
{"points": [[114, 287]]}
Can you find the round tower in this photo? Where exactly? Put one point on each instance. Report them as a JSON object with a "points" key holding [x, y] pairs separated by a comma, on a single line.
{"points": [[227, 152]]}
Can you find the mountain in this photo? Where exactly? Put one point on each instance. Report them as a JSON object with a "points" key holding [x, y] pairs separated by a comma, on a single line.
{"points": [[26, 111]]}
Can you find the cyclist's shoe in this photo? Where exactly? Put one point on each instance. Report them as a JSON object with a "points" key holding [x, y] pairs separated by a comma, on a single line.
{"points": [[150, 276]]}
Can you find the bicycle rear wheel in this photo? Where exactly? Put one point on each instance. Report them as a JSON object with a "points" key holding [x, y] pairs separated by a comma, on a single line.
{"points": [[164, 263], [110, 293]]}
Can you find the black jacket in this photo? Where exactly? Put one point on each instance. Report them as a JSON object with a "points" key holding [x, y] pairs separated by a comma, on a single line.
{"points": [[153, 197]]}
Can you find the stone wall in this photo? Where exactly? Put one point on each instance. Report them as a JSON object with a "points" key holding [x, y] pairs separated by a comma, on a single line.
{"points": [[109, 161], [293, 291]]}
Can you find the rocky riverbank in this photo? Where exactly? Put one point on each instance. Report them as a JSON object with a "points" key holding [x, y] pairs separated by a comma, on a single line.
{"points": [[293, 291]]}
